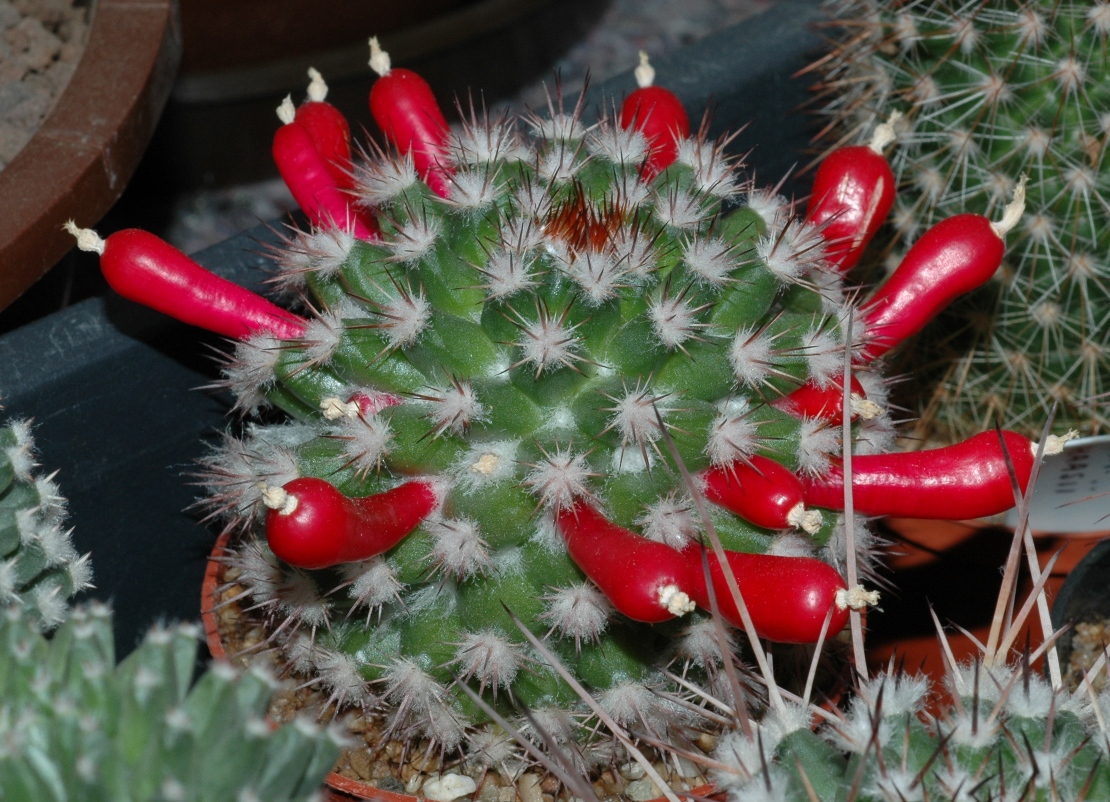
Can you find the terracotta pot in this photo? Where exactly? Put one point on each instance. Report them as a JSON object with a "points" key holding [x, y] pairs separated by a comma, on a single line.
{"points": [[79, 161], [953, 568], [339, 788]]}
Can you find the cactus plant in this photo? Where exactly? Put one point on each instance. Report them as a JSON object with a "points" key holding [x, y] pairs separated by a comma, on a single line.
{"points": [[77, 726], [991, 91], [519, 367], [40, 571]]}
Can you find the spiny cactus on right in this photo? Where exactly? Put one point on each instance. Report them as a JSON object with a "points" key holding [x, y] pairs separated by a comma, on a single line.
{"points": [[1006, 734], [992, 90], [39, 568]]}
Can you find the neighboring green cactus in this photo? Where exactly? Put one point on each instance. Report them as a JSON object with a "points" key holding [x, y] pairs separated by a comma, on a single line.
{"points": [[1006, 735], [74, 725], [990, 91], [39, 568]]}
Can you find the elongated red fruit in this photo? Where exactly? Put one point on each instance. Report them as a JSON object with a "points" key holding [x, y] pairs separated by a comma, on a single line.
{"points": [[953, 257], [329, 130], [658, 114], [787, 598], [404, 107], [960, 481], [853, 191], [645, 580], [150, 271], [310, 524], [826, 402], [762, 492], [309, 179]]}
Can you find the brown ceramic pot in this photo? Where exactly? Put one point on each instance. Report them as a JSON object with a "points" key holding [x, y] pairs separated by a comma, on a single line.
{"points": [[79, 161]]}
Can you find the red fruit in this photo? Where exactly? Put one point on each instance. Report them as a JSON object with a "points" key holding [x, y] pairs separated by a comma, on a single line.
{"points": [[150, 271], [762, 492], [960, 481], [313, 525], [951, 258], [645, 580], [853, 192], [787, 598], [826, 403], [404, 107]]}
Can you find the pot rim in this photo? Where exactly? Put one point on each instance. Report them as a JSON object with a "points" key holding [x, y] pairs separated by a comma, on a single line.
{"points": [[78, 162]]}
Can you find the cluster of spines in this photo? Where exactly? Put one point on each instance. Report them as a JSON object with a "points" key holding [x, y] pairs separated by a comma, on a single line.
{"points": [[1003, 734], [40, 570], [77, 726], [992, 91]]}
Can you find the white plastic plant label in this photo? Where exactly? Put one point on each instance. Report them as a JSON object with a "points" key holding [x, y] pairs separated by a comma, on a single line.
{"points": [[1073, 490]]}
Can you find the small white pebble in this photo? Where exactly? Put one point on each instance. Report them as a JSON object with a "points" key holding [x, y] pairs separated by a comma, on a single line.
{"points": [[448, 787]]}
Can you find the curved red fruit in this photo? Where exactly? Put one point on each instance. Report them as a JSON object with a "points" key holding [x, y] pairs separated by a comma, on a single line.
{"points": [[814, 401], [644, 579], [960, 481], [658, 114], [326, 528], [853, 192], [761, 492], [307, 175], [787, 598], [953, 257], [150, 271], [331, 136], [404, 107]]}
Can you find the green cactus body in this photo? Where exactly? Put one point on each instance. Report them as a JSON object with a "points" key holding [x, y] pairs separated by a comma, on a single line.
{"points": [[1008, 735], [40, 570], [514, 347], [77, 726], [992, 91]]}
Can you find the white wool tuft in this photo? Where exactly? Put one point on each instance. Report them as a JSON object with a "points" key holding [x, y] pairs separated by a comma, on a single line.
{"points": [[342, 680], [458, 548], [365, 440], [626, 147], [670, 520], [673, 319], [474, 188], [559, 478], [710, 258], [486, 463], [508, 272], [380, 182], [321, 337], [251, 369], [578, 611], [824, 355], [415, 237], [490, 657], [714, 173], [818, 442], [751, 356], [373, 583], [732, 437], [599, 275], [677, 208], [455, 408]]}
